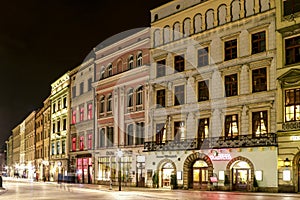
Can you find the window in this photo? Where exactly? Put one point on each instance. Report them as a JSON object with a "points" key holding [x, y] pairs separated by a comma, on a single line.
{"points": [[203, 57], [63, 147], [139, 60], [54, 107], [203, 125], [179, 131], [259, 123], [259, 80], [259, 42], [179, 95], [231, 85], [130, 62], [231, 126], [65, 102], [139, 96], [53, 128], [58, 105], [64, 124], [81, 143], [81, 113], [81, 88], [291, 7], [161, 68], [292, 105], [179, 63], [74, 91], [52, 149], [203, 92], [102, 73], [130, 98], [74, 117], [57, 147], [130, 134], [110, 136], [230, 49], [110, 70], [58, 126], [160, 136], [102, 102], [292, 50], [74, 144], [102, 137], [89, 84], [161, 98], [90, 141], [140, 133], [109, 103], [90, 111]]}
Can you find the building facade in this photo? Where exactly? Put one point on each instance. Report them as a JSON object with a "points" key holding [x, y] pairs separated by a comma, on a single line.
{"points": [[82, 122], [288, 104], [9, 156], [212, 95], [121, 75], [46, 139], [30, 145], [16, 151]]}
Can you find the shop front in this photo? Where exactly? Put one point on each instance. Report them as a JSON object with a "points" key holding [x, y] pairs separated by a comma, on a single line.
{"points": [[84, 169]]}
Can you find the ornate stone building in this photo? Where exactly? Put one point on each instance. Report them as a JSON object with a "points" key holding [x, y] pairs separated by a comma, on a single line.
{"points": [[212, 103]]}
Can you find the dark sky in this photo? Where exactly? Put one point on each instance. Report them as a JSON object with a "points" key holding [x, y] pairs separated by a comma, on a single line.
{"points": [[41, 40]]}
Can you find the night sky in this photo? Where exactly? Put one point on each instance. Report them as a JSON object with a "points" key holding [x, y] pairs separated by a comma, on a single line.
{"points": [[42, 40]]}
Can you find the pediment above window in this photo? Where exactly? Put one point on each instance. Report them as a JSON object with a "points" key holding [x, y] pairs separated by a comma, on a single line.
{"points": [[290, 78]]}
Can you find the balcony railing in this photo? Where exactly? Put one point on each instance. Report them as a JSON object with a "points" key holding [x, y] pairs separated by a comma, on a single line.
{"points": [[269, 139]]}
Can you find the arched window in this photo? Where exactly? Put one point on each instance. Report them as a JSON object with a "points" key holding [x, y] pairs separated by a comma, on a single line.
{"points": [[186, 27], [197, 23], [235, 10], [209, 19], [166, 34], [156, 37], [222, 12], [130, 98], [176, 31], [119, 66], [139, 59], [249, 7], [109, 70], [102, 72], [139, 96], [102, 103], [109, 103], [130, 62]]}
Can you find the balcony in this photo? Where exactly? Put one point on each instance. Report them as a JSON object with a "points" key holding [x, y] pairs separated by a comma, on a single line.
{"points": [[269, 139]]}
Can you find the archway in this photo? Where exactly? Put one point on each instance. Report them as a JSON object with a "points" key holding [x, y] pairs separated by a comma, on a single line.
{"points": [[165, 169], [199, 171], [296, 171], [240, 171]]}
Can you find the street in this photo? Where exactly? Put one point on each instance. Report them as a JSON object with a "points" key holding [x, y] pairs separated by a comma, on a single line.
{"points": [[51, 191]]}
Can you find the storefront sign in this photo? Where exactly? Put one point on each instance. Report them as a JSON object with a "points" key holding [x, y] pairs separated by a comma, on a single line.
{"points": [[220, 157], [291, 125], [167, 156]]}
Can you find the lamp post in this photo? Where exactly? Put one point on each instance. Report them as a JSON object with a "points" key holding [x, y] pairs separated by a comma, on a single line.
{"points": [[119, 154]]}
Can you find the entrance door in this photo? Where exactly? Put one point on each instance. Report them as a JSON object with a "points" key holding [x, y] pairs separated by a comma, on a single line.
{"points": [[167, 171], [241, 174], [200, 175]]}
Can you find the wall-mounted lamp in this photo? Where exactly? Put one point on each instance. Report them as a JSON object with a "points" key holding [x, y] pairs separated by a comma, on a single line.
{"points": [[287, 162]]}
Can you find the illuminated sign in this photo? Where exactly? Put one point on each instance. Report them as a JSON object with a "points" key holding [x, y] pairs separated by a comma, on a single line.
{"points": [[220, 157]]}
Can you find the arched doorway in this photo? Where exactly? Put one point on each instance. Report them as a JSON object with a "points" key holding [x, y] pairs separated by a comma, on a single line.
{"points": [[166, 168], [241, 173], [197, 169]]}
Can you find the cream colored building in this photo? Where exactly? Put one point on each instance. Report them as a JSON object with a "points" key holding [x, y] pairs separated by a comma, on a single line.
{"points": [[212, 117], [16, 151], [288, 104], [46, 138], [30, 145]]}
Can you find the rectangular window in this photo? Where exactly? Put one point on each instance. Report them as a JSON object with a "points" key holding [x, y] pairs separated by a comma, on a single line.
{"points": [[258, 42], [259, 80], [64, 124], [58, 126], [52, 149], [179, 131], [81, 113], [102, 102], [291, 7], [160, 136], [54, 107], [161, 68], [161, 98], [203, 91], [203, 125], [179, 63], [292, 50], [259, 123], [65, 102], [90, 141], [74, 144], [231, 85], [89, 84], [81, 143], [81, 88], [179, 95], [102, 137], [130, 134], [230, 49], [110, 136], [74, 117], [58, 104], [203, 57], [63, 147], [231, 126], [53, 128], [74, 91], [58, 147], [90, 111], [292, 105], [140, 133]]}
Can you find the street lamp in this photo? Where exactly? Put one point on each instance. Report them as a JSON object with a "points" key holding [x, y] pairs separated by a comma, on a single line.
{"points": [[119, 154], [287, 162]]}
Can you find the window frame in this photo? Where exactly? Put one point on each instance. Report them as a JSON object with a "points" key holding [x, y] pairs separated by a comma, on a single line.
{"points": [[203, 90], [231, 135], [231, 85], [203, 57], [292, 101], [179, 63], [259, 76], [258, 44], [161, 98], [294, 48], [179, 95], [161, 68], [230, 49]]}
